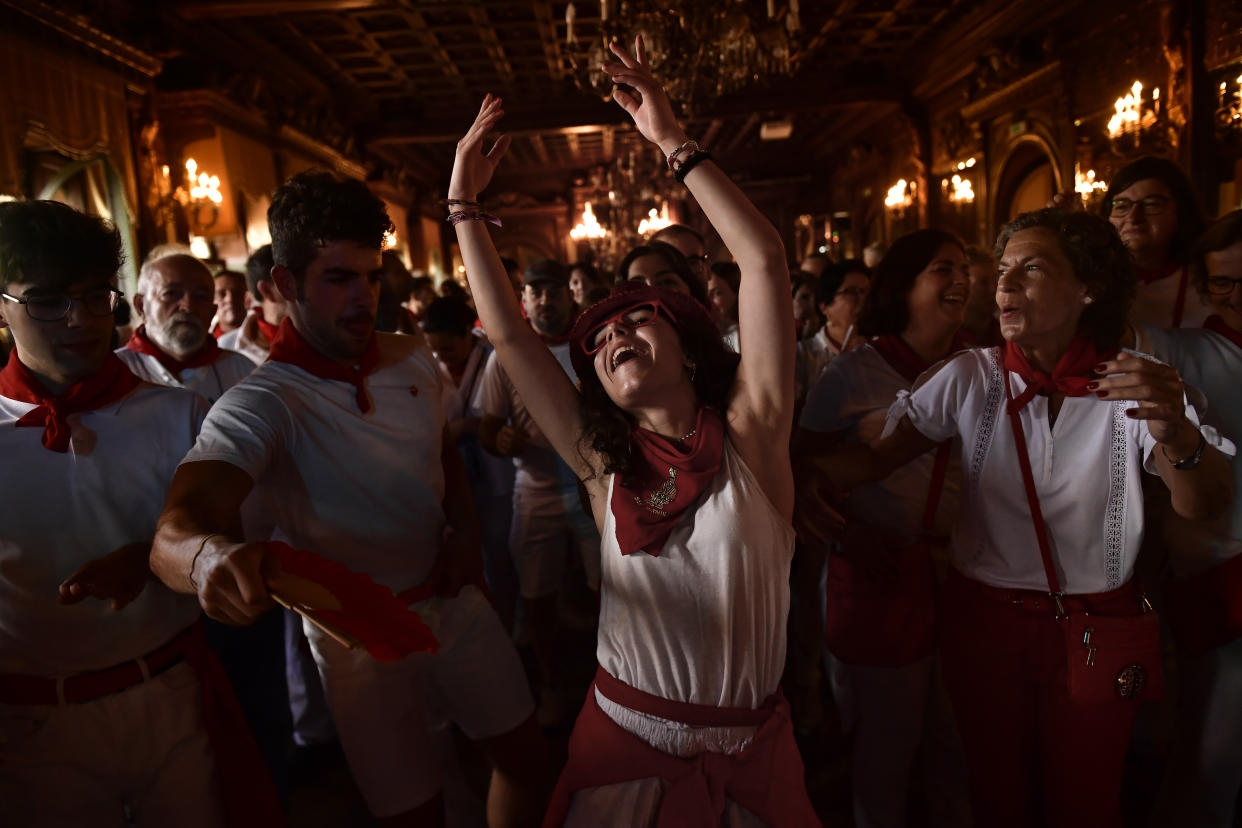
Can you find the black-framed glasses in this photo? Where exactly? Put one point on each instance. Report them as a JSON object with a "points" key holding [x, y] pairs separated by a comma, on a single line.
{"points": [[1152, 205], [49, 307], [1221, 285]]}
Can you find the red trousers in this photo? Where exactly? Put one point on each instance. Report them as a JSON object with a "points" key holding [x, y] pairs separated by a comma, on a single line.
{"points": [[1035, 757]]}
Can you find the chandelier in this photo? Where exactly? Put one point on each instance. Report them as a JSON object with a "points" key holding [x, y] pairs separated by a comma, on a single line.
{"points": [[699, 49], [1135, 121], [589, 227], [1229, 110], [900, 196]]}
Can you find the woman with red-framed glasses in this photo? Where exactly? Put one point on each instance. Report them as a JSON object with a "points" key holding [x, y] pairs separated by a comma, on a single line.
{"points": [[681, 447]]}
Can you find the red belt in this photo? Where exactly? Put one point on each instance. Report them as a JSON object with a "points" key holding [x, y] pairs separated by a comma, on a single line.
{"points": [[1115, 601], [20, 689]]}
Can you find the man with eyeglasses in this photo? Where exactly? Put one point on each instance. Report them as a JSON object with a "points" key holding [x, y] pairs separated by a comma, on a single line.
{"points": [[691, 245], [100, 710], [173, 346]]}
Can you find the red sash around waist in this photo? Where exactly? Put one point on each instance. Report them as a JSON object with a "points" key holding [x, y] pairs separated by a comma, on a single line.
{"points": [[766, 778]]}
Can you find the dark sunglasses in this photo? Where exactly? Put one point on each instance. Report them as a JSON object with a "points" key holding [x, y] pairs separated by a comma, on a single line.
{"points": [[635, 316]]}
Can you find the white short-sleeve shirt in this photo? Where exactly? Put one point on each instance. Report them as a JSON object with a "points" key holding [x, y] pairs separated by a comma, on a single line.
{"points": [[363, 489], [1213, 365], [61, 510], [539, 466], [211, 381], [1086, 469], [853, 395]]}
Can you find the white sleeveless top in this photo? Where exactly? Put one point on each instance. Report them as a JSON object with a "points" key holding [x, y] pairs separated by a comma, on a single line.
{"points": [[704, 622]]}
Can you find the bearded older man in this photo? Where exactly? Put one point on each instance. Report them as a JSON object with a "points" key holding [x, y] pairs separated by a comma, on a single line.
{"points": [[176, 302]]}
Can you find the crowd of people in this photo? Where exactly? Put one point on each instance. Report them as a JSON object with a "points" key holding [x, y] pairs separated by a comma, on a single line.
{"points": [[987, 497]]}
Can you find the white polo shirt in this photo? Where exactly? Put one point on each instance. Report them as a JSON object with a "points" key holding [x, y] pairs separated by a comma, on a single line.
{"points": [[60, 511], [363, 489], [1086, 471], [1213, 365], [211, 381], [539, 466], [853, 395]]}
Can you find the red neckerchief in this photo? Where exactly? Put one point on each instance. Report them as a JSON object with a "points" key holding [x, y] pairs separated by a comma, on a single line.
{"points": [[266, 329], [289, 346], [1217, 325], [965, 338], [141, 343], [1073, 371], [667, 483], [217, 332], [107, 385], [900, 356]]}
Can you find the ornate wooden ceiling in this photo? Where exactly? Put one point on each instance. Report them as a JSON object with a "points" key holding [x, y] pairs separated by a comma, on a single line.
{"points": [[399, 80]]}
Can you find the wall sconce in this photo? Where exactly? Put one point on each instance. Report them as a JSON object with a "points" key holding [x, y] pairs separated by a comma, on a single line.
{"points": [[900, 196], [589, 227], [960, 188], [390, 239], [654, 221], [1133, 119], [1229, 111]]}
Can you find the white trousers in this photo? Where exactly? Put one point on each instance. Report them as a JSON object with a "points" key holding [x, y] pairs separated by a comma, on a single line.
{"points": [[143, 750]]}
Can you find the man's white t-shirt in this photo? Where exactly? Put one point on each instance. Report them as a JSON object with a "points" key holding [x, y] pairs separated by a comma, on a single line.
{"points": [[539, 466], [210, 381], [62, 510], [1086, 469], [363, 489]]}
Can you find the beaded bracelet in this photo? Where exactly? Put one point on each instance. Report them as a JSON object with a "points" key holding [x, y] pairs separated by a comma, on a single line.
{"points": [[689, 144], [457, 218], [457, 202], [689, 164]]}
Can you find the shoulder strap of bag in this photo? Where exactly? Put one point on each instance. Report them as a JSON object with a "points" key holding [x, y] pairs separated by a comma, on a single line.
{"points": [[1032, 498]]}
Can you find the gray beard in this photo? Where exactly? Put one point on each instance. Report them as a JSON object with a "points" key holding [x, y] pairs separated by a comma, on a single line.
{"points": [[178, 337]]}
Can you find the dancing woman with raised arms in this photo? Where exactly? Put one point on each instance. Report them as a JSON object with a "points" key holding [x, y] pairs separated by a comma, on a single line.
{"points": [[680, 447]]}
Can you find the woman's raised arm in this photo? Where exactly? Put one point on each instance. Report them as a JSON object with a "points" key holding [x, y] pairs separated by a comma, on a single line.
{"points": [[545, 390], [761, 411]]}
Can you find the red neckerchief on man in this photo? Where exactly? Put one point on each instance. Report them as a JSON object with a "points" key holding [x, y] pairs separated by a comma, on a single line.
{"points": [[266, 329], [900, 356], [142, 343], [107, 385], [1218, 325], [1073, 371], [289, 346], [667, 481]]}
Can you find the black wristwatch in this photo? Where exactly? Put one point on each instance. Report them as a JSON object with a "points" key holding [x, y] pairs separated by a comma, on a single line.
{"points": [[1191, 462]]}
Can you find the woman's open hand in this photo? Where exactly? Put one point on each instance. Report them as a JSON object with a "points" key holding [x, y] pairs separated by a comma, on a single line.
{"points": [[652, 113], [1160, 394], [473, 168]]}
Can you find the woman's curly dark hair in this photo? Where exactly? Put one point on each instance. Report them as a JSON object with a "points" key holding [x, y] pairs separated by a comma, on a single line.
{"points": [[314, 208], [606, 428], [1100, 261]]}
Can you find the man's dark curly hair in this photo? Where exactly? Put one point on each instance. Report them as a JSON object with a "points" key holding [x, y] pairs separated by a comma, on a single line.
{"points": [[606, 428], [53, 245], [258, 269], [1100, 261], [1190, 221], [314, 208]]}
